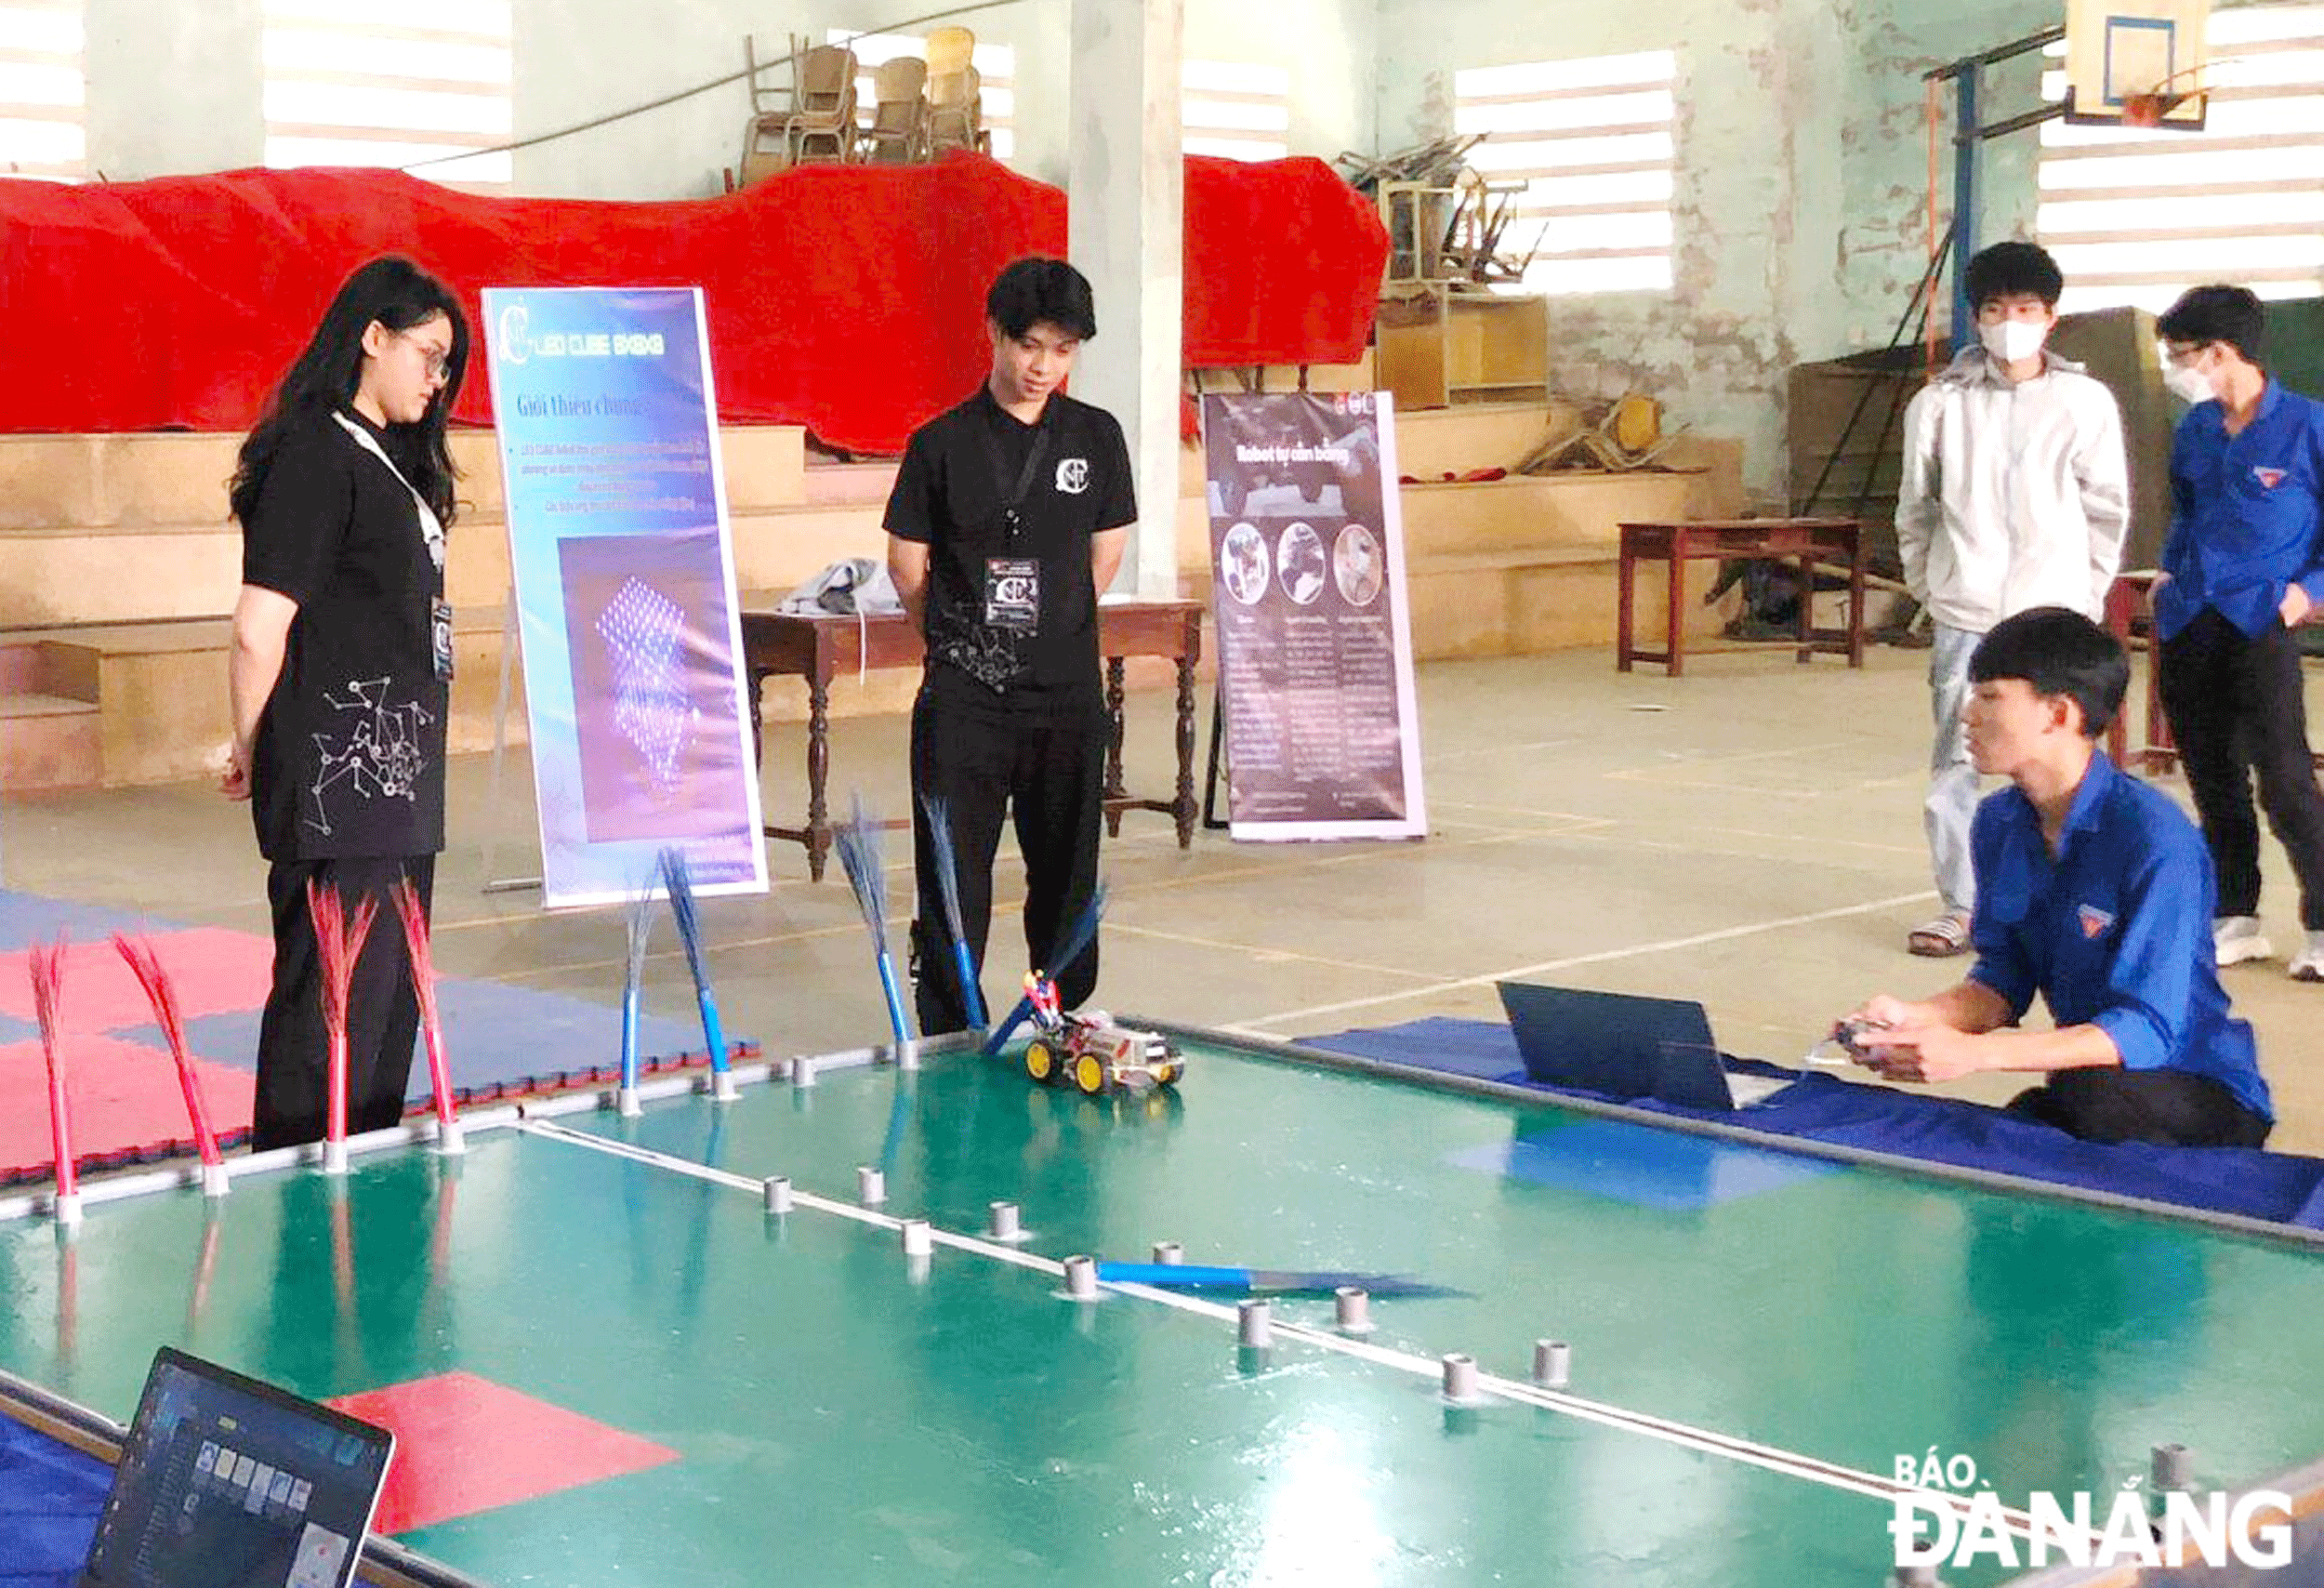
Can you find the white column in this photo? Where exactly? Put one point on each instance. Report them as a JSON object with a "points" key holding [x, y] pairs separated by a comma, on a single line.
{"points": [[1126, 187]]}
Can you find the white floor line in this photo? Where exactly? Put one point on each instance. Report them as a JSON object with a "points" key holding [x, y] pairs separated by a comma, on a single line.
{"points": [[1270, 1024], [1787, 1463]]}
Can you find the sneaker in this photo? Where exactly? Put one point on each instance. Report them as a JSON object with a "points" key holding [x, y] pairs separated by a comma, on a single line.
{"points": [[2308, 964], [2234, 938]]}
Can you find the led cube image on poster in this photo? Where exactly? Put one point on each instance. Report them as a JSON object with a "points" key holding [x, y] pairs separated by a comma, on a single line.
{"points": [[624, 571], [656, 730]]}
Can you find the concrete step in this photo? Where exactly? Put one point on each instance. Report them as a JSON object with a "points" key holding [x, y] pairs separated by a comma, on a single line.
{"points": [[109, 481], [50, 742]]}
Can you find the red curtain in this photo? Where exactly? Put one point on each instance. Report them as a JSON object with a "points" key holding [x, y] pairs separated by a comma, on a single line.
{"points": [[847, 299]]}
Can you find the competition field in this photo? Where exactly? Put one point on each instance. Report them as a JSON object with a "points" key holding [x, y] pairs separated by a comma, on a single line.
{"points": [[610, 1363]]}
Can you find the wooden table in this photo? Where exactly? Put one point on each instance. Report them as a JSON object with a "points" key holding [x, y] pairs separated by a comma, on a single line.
{"points": [[1811, 540], [821, 646]]}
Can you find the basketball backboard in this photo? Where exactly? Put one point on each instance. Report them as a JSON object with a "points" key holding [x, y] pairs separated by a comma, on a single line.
{"points": [[2137, 62]]}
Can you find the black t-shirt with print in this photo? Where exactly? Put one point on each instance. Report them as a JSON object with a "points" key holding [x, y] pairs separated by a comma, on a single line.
{"points": [[952, 493], [349, 760]]}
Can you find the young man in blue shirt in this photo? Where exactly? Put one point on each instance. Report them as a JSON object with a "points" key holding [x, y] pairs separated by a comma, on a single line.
{"points": [[2241, 569], [2093, 892]]}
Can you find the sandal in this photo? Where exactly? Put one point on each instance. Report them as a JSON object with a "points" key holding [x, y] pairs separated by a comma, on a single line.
{"points": [[1941, 938]]}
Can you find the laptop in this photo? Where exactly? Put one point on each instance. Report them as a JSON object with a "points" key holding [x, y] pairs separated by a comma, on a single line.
{"points": [[1626, 1046], [225, 1482]]}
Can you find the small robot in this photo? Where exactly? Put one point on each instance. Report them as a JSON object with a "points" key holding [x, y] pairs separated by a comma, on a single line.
{"points": [[1090, 1051]]}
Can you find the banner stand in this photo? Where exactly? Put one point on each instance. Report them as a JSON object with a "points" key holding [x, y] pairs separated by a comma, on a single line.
{"points": [[495, 806]]}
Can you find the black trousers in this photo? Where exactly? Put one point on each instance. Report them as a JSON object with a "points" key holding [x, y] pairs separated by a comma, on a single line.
{"points": [[382, 1009], [2235, 709], [2169, 1108], [1048, 776]]}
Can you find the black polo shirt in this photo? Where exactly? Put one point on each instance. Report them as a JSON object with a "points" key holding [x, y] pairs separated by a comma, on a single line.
{"points": [[952, 493], [348, 759]]}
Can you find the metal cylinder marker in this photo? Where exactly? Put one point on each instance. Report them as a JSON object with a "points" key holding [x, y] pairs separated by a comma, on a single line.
{"points": [[907, 1054], [1552, 1363], [1915, 1577], [1354, 1309], [917, 1242], [1460, 1378], [1006, 1224], [803, 1071], [1169, 1251], [871, 1187], [777, 1191], [1255, 1323], [2173, 1469], [1081, 1278]]}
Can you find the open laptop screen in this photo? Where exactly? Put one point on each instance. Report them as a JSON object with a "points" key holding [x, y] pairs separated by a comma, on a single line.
{"points": [[225, 1482]]}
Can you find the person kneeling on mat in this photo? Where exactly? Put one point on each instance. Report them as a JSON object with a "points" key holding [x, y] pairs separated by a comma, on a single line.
{"points": [[2096, 892]]}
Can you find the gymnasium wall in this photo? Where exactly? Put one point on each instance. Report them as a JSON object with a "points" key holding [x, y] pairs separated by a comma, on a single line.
{"points": [[1799, 224], [175, 87]]}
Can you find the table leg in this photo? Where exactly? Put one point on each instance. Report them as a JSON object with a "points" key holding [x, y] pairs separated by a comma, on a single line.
{"points": [[1674, 646], [1856, 571], [1114, 670], [1625, 583], [755, 682], [1184, 808], [1807, 608], [818, 769]]}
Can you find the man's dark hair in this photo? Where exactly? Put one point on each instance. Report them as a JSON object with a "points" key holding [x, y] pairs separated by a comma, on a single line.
{"points": [[1035, 290], [2008, 268], [2057, 652], [2229, 315]]}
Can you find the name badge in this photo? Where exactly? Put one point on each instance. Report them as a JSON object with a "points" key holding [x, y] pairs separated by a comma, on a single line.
{"points": [[440, 636], [1012, 593]]}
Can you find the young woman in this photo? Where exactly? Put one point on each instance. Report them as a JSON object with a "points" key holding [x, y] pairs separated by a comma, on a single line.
{"points": [[340, 672]]}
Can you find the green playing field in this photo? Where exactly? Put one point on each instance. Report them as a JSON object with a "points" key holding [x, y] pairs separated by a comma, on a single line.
{"points": [[697, 1392]]}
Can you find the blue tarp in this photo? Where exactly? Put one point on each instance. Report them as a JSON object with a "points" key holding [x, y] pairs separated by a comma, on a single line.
{"points": [[2277, 1187], [49, 1497]]}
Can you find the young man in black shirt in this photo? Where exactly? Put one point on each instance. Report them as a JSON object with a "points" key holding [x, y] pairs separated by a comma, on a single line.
{"points": [[1010, 514]]}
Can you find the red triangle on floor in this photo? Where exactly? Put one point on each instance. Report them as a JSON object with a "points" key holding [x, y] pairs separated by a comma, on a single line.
{"points": [[464, 1444]]}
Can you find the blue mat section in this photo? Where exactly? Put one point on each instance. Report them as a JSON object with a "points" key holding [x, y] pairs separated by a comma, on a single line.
{"points": [[1641, 1166], [15, 1030], [493, 1034], [49, 1498], [27, 919], [2277, 1187]]}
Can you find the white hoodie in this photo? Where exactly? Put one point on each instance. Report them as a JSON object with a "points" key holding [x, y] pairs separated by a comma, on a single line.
{"points": [[2014, 495]]}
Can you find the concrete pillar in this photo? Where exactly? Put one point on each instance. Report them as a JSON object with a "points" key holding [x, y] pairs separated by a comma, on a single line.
{"points": [[1125, 185], [173, 89]]}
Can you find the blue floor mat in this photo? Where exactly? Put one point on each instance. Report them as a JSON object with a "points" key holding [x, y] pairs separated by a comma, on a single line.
{"points": [[2276, 1187]]}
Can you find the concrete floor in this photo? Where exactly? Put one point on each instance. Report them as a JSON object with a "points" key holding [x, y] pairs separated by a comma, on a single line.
{"points": [[1748, 837]]}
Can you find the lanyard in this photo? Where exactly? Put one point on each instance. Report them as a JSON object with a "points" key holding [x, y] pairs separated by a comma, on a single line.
{"points": [[431, 527], [1012, 498]]}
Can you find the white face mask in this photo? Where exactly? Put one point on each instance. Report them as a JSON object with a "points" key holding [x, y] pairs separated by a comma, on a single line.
{"points": [[2014, 341], [2189, 386]]}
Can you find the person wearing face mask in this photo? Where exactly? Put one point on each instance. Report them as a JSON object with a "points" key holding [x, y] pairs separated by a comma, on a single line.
{"points": [[2014, 495], [2242, 566]]}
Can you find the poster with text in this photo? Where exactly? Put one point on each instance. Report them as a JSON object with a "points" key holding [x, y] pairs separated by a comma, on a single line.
{"points": [[624, 584], [1314, 641]]}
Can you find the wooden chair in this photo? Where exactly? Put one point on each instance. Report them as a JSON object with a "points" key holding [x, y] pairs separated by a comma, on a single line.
{"points": [[950, 50], [823, 124], [898, 134], [769, 109], [956, 116]]}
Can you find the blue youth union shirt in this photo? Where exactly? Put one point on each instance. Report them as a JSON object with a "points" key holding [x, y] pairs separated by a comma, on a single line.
{"points": [[2115, 932], [2243, 513]]}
